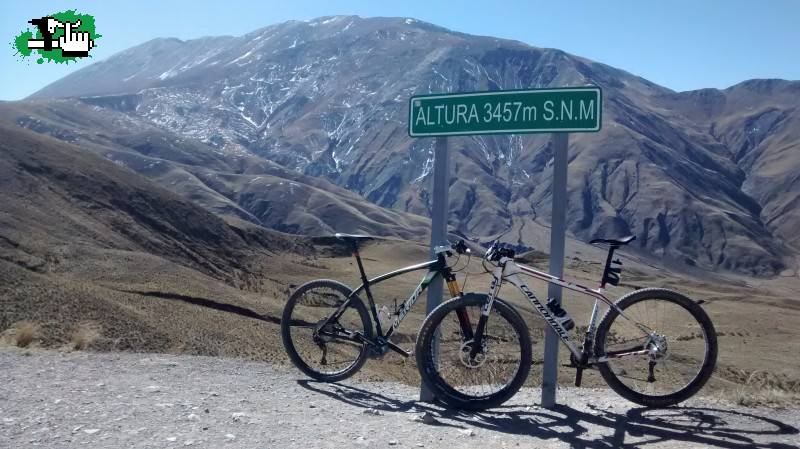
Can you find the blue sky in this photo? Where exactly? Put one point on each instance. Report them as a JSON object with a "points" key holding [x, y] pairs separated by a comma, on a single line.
{"points": [[682, 45]]}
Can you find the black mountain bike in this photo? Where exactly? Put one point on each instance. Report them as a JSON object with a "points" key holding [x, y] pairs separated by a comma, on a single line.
{"points": [[327, 330], [654, 347]]}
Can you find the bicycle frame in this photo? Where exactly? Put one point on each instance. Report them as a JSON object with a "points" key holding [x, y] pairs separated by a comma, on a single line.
{"points": [[508, 269], [435, 268]]}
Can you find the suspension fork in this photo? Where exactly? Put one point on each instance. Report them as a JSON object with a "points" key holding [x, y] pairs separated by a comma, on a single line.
{"points": [[461, 314], [494, 289]]}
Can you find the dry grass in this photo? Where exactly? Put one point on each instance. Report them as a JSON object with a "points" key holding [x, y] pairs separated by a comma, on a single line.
{"points": [[312, 262], [764, 388], [25, 332], [84, 334], [772, 397]]}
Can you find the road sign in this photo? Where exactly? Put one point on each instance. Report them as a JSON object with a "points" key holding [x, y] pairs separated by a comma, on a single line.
{"points": [[574, 109], [557, 111]]}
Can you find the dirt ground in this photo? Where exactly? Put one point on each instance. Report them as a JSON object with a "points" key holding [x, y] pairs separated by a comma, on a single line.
{"points": [[62, 400]]}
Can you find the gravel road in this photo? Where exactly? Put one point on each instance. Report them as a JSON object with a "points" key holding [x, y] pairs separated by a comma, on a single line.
{"points": [[61, 400]]}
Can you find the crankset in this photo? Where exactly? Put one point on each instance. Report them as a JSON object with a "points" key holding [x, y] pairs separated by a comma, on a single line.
{"points": [[579, 366], [381, 346]]}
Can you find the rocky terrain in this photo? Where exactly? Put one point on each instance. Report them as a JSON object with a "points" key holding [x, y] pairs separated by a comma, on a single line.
{"points": [[704, 178], [57, 400]]}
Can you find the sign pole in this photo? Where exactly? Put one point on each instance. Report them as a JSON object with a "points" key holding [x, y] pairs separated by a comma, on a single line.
{"points": [[557, 238], [439, 209]]}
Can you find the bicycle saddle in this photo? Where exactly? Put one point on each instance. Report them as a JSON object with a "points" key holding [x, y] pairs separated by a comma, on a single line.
{"points": [[615, 242], [352, 238]]}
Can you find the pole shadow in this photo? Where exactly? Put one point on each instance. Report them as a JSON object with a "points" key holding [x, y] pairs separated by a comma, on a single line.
{"points": [[592, 428]]}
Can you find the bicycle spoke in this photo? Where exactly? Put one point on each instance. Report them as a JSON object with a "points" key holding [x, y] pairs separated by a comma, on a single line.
{"points": [[494, 366], [676, 367], [325, 348]]}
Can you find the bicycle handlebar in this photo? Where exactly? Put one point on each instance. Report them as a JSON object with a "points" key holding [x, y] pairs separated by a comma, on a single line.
{"points": [[496, 251]]}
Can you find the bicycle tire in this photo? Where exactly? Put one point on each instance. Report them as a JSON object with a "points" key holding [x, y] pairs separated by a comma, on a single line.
{"points": [[430, 373], [692, 387], [292, 349]]}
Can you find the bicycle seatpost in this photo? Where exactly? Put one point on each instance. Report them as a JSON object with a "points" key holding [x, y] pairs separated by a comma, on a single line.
{"points": [[358, 262]]}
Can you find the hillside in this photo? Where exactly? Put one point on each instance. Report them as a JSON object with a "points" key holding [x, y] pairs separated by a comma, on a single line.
{"points": [[84, 242], [704, 179], [238, 187]]}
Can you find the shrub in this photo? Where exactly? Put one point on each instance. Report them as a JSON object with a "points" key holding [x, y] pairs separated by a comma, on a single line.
{"points": [[83, 335], [26, 333]]}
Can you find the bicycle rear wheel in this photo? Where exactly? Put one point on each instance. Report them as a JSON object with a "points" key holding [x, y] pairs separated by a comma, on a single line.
{"points": [[327, 353], [495, 374], [682, 347]]}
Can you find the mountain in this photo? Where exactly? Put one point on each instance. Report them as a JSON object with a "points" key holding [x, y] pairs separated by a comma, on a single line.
{"points": [[236, 187], [58, 202], [704, 178], [102, 256], [758, 121]]}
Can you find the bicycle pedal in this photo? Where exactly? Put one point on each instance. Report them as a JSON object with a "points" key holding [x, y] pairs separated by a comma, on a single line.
{"points": [[398, 349]]}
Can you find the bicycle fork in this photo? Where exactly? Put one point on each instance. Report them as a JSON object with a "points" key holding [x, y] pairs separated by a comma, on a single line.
{"points": [[477, 338]]}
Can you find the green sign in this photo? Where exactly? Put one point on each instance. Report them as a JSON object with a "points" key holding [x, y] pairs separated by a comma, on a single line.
{"points": [[573, 109]]}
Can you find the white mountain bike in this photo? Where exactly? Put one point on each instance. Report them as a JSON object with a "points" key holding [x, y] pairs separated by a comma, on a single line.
{"points": [[655, 347]]}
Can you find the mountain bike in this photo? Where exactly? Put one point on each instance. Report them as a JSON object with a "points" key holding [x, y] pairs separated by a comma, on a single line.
{"points": [[654, 347], [327, 330]]}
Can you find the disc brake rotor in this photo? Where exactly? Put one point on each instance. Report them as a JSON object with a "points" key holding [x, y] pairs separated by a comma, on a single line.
{"points": [[471, 362]]}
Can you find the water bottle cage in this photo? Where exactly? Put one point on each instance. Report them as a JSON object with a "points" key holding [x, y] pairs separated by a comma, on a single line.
{"points": [[555, 307]]}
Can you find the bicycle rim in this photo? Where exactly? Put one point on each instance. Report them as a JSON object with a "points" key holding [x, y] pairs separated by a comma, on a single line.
{"points": [[316, 345], [497, 363], [681, 363]]}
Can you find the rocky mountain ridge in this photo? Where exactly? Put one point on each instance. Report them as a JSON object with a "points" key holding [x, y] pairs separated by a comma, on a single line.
{"points": [[705, 178]]}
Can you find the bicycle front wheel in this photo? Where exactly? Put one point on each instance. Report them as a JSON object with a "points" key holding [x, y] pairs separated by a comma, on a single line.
{"points": [[326, 352], [676, 356], [489, 378]]}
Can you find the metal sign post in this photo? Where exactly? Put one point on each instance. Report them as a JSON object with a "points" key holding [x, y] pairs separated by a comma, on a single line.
{"points": [[558, 229], [558, 111], [439, 208]]}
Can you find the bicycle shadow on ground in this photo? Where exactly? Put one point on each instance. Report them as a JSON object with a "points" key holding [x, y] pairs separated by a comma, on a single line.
{"points": [[594, 427]]}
